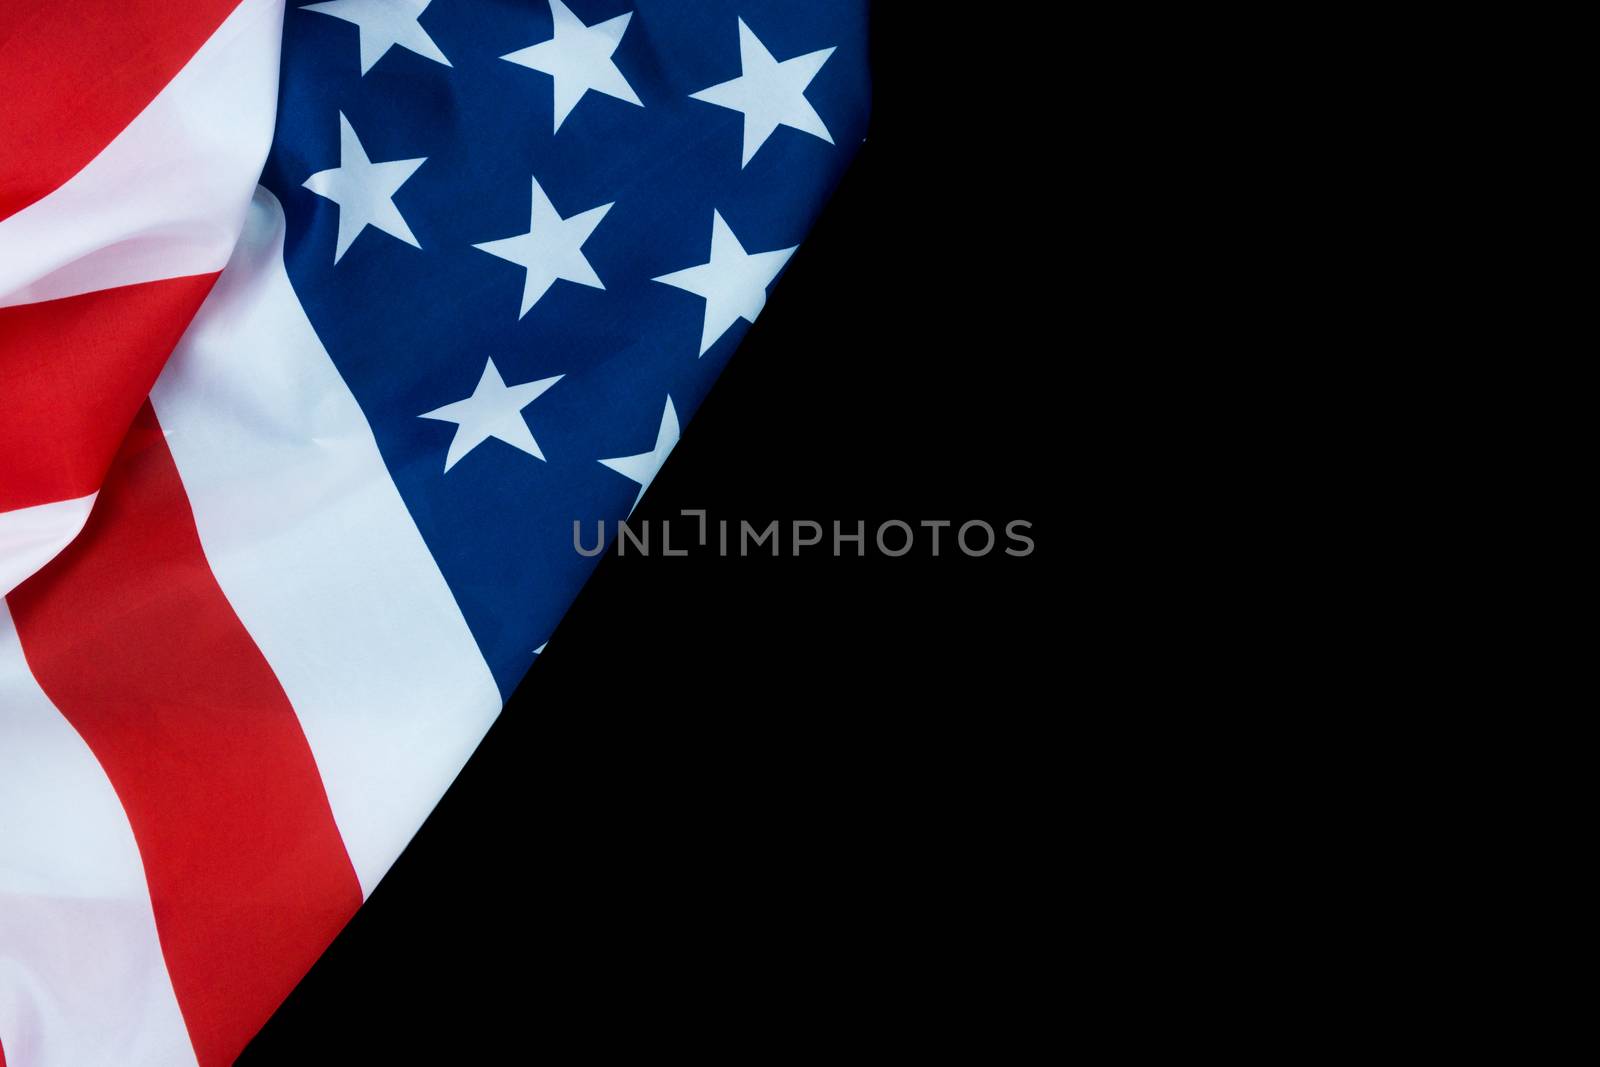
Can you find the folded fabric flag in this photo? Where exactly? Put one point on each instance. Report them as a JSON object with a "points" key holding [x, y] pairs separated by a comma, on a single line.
{"points": [[319, 330]]}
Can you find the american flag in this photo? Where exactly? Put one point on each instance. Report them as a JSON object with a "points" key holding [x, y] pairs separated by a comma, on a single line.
{"points": [[320, 326]]}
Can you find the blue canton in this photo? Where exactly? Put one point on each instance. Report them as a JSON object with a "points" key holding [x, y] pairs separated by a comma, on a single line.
{"points": [[528, 263]]}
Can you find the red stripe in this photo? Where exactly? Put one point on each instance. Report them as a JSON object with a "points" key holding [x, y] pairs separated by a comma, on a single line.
{"points": [[132, 639], [75, 74], [72, 374]]}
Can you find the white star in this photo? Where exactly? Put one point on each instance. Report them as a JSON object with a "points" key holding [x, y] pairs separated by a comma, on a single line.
{"points": [[578, 57], [364, 191], [384, 24], [551, 249], [493, 410], [771, 94], [644, 467], [734, 283]]}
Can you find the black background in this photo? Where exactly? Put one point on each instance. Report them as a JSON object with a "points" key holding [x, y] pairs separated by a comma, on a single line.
{"points": [[750, 804]]}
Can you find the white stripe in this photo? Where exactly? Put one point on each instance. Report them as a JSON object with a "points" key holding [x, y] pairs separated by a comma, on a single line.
{"points": [[310, 541], [30, 537], [166, 198], [82, 979]]}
